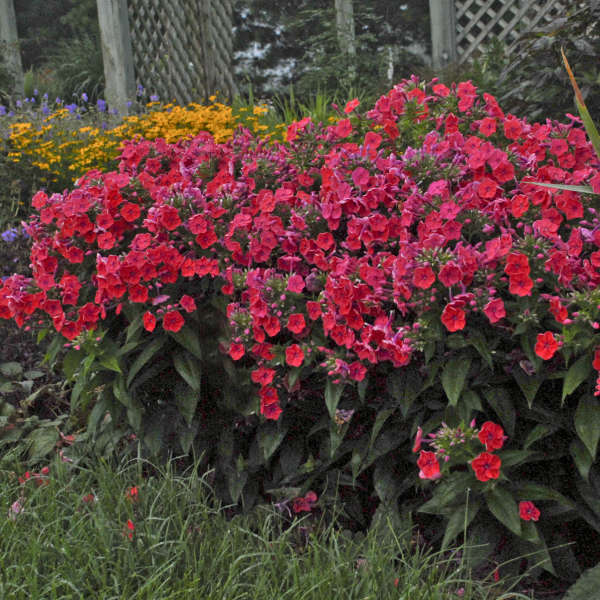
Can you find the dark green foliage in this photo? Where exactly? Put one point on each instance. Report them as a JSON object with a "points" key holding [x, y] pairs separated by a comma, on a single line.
{"points": [[60, 43], [274, 51], [586, 587]]}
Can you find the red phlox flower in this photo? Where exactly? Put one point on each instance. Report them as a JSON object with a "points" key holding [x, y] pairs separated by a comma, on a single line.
{"points": [[423, 277], [149, 321], [296, 323], [430, 467], [294, 355], [494, 310], [491, 436], [188, 303], [486, 466], [453, 317], [262, 376], [528, 511], [450, 274], [173, 321], [546, 345], [351, 105], [236, 351], [418, 440]]}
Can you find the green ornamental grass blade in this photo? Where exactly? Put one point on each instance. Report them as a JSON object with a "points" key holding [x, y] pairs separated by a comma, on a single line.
{"points": [[582, 189], [590, 128]]}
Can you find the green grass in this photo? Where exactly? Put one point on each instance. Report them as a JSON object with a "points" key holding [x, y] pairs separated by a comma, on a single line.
{"points": [[59, 546]]}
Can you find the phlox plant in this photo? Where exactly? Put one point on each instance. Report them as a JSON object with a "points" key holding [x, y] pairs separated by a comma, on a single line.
{"points": [[297, 310]]}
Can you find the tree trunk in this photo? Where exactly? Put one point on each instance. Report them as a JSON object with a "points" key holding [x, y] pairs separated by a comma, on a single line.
{"points": [[344, 20]]}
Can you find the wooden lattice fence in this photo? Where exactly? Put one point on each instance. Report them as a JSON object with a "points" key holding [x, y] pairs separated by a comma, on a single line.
{"points": [[481, 20], [459, 28], [182, 49]]}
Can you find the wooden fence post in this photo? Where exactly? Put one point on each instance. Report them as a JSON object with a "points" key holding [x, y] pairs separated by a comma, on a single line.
{"points": [[442, 15], [9, 38], [117, 54]]}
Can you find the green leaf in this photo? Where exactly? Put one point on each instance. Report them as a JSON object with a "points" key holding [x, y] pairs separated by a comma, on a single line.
{"points": [[468, 403], [187, 367], [454, 376], [147, 353], [511, 458], [110, 362], [42, 442], [187, 400], [537, 433], [33, 374], [382, 417], [186, 437], [236, 480], [134, 416], [72, 362], [578, 372], [270, 436], [535, 491], [290, 457], [362, 388], [153, 436], [449, 492], [456, 522], [499, 400], [587, 586], [478, 341], [529, 384], [582, 457], [503, 506], [189, 339], [11, 370], [134, 329], [333, 393], [404, 385], [587, 423], [387, 482], [120, 391]]}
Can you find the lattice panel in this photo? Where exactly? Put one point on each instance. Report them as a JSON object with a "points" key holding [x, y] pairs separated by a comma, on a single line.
{"points": [[477, 21], [182, 49]]}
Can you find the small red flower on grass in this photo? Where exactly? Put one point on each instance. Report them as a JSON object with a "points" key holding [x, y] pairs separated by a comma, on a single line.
{"points": [[130, 529]]}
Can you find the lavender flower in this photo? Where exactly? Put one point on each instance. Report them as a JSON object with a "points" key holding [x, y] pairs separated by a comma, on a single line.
{"points": [[10, 235], [101, 104]]}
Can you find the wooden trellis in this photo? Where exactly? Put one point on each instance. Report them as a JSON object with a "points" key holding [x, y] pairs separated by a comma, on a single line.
{"points": [[182, 48], [459, 28], [480, 20]]}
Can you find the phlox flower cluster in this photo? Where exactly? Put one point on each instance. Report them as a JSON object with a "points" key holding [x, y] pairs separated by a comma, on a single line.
{"points": [[335, 249], [451, 446]]}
